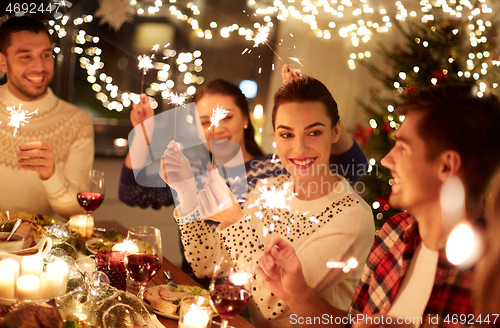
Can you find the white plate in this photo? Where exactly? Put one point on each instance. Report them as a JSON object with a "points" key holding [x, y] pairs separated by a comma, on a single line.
{"points": [[175, 317], [92, 242]]}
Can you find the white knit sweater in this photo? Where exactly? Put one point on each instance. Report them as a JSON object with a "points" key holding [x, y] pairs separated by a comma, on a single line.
{"points": [[336, 227], [70, 132]]}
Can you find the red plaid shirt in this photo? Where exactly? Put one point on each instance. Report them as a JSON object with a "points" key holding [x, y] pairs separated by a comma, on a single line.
{"points": [[387, 263]]}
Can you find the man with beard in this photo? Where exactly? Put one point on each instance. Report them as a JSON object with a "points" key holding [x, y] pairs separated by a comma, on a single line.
{"points": [[448, 132], [41, 165]]}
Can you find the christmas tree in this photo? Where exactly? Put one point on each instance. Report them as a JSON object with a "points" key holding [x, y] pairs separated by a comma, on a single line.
{"points": [[439, 48]]}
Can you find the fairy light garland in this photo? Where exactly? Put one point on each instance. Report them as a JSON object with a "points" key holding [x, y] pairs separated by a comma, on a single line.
{"points": [[356, 20], [111, 96]]}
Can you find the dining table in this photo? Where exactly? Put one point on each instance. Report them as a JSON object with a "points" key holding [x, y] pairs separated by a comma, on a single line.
{"points": [[179, 276]]}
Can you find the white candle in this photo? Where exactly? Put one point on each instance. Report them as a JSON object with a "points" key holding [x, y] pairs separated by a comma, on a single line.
{"points": [[127, 245], [11, 264], [32, 265], [79, 223], [195, 318], [28, 287], [6, 283], [59, 267], [51, 285]]}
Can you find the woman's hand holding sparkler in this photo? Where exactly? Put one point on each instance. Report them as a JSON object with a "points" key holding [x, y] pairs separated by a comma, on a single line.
{"points": [[217, 202], [288, 73], [176, 171], [37, 156], [281, 270], [141, 111]]}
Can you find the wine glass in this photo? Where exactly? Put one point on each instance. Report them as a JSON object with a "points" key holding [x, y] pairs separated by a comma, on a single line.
{"points": [[143, 255], [228, 288], [91, 191]]}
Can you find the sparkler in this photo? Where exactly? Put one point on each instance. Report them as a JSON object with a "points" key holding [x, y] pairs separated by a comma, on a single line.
{"points": [[218, 114], [295, 59], [261, 38], [352, 263], [273, 198], [179, 100], [19, 117], [144, 64]]}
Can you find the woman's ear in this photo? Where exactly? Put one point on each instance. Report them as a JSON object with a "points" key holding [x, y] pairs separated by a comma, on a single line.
{"points": [[336, 133]]}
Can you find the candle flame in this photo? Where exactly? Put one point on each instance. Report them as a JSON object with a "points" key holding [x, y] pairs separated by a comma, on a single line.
{"points": [[145, 63], [217, 114], [19, 117]]}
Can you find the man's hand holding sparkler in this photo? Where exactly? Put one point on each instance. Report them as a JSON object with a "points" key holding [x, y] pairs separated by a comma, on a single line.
{"points": [[176, 171], [217, 202], [37, 156]]}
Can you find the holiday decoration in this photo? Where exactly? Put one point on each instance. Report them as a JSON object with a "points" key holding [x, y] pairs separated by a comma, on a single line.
{"points": [[435, 51], [115, 13]]}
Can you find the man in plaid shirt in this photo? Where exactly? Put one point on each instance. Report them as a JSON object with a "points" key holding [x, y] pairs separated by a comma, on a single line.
{"points": [[448, 132]]}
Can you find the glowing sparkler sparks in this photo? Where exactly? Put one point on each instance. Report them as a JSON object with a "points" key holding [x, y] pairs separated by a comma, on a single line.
{"points": [[218, 114], [178, 99], [352, 263], [273, 198], [156, 47], [261, 36], [295, 59], [145, 63], [19, 117]]}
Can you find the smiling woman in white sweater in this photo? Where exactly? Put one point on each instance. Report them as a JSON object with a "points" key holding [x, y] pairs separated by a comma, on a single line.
{"points": [[324, 218]]}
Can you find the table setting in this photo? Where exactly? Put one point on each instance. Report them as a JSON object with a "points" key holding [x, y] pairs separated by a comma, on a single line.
{"points": [[97, 274]]}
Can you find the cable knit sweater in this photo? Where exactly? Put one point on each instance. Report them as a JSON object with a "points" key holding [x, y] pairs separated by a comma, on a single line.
{"points": [[70, 132], [336, 227]]}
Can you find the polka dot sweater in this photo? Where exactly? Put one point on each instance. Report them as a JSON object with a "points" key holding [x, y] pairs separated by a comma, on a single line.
{"points": [[335, 227]]}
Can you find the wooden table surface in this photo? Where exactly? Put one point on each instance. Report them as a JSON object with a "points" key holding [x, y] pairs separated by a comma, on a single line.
{"points": [[177, 274]]}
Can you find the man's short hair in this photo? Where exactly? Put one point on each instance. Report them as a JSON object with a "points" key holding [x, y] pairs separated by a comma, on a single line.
{"points": [[455, 118], [18, 24]]}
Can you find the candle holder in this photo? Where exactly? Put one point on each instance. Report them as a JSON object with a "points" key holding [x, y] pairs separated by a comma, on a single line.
{"points": [[195, 312], [80, 225]]}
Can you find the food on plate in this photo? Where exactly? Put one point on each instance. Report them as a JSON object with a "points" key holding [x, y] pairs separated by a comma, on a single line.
{"points": [[105, 243], [32, 315], [31, 227], [164, 298], [169, 295], [166, 307]]}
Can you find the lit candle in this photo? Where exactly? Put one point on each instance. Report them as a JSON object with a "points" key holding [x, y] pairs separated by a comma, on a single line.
{"points": [[127, 245], [51, 285], [79, 223], [28, 287], [195, 318], [32, 265], [59, 267], [6, 283], [11, 264]]}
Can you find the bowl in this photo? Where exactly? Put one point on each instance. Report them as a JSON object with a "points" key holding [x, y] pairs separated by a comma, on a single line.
{"points": [[15, 243]]}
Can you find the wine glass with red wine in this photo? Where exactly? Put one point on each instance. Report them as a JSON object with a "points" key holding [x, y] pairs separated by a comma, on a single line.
{"points": [[91, 191], [229, 288], [143, 255]]}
